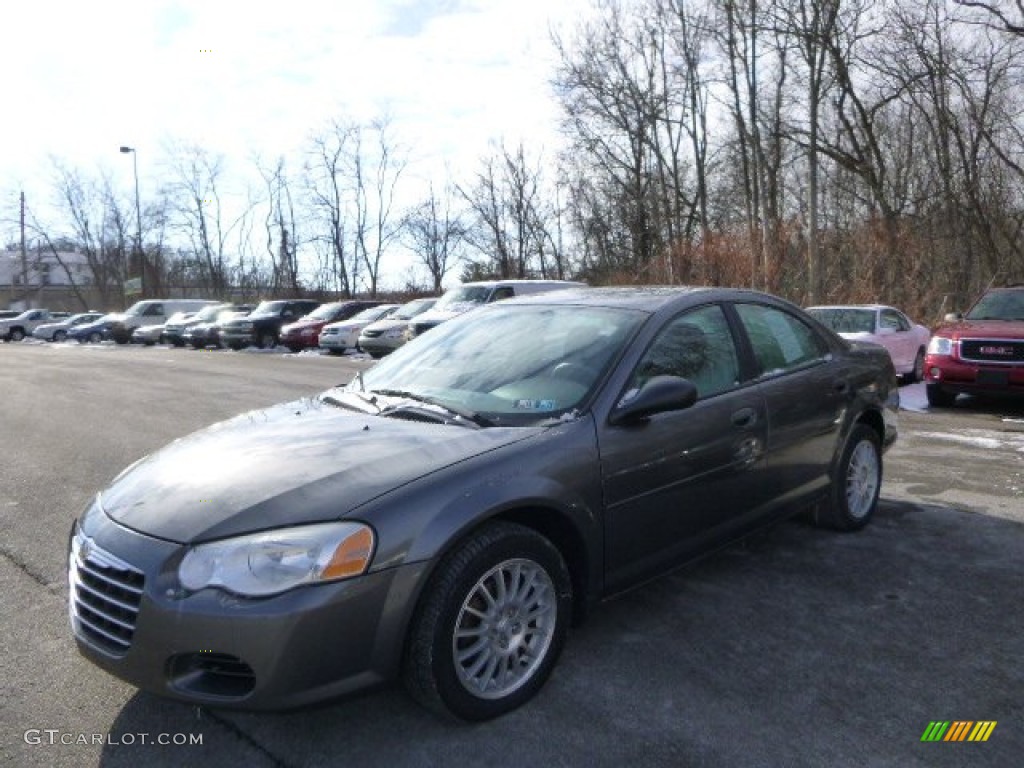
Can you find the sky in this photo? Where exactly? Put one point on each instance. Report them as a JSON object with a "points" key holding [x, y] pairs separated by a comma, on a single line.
{"points": [[244, 77]]}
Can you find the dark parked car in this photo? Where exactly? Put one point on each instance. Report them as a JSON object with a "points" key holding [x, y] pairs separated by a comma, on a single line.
{"points": [[262, 327], [91, 333], [175, 328], [304, 333], [446, 515], [207, 334], [979, 353]]}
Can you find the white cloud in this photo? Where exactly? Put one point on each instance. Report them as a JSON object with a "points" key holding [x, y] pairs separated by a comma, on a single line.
{"points": [[82, 78]]}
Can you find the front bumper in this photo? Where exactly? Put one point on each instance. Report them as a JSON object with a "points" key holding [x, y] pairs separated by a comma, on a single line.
{"points": [[959, 377], [236, 339], [212, 648]]}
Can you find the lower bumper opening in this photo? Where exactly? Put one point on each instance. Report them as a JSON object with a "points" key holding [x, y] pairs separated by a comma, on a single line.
{"points": [[211, 674]]}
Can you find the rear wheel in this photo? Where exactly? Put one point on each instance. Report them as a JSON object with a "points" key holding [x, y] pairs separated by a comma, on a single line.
{"points": [[856, 482], [917, 372], [491, 624], [938, 397]]}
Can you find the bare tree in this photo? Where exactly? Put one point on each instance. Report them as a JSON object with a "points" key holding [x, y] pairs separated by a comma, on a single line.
{"points": [[435, 234], [201, 214], [510, 216]]}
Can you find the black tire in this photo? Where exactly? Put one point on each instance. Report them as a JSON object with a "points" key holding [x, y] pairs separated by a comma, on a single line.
{"points": [[856, 482], [95, 337], [503, 552], [938, 397], [60, 335], [266, 341], [16, 334], [917, 374]]}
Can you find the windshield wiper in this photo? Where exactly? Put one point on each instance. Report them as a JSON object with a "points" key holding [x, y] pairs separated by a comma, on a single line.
{"points": [[332, 400], [464, 413]]}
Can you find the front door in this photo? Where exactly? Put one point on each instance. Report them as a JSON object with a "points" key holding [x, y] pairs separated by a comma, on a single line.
{"points": [[676, 480]]}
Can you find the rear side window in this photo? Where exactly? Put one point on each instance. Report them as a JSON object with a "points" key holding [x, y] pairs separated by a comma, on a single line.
{"points": [[504, 292], [781, 341]]}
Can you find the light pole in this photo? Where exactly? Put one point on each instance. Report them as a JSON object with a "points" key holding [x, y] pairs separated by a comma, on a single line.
{"points": [[138, 217]]}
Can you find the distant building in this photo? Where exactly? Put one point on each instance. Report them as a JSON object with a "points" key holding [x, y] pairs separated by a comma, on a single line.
{"points": [[43, 279]]}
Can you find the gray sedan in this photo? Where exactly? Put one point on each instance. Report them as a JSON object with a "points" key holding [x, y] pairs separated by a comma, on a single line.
{"points": [[446, 516]]}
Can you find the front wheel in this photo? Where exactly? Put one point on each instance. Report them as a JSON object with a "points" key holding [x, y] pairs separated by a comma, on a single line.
{"points": [[16, 334], [95, 337], [491, 624], [266, 341], [60, 335], [938, 397], [856, 482]]}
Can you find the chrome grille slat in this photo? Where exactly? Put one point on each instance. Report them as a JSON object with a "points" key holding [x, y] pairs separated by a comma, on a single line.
{"points": [[118, 641], [122, 605], [88, 568], [105, 593]]}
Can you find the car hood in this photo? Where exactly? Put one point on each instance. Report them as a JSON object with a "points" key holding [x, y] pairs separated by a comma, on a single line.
{"points": [[295, 463], [997, 329]]}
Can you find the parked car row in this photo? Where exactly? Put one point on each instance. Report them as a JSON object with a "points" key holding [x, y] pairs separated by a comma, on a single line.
{"points": [[23, 324], [980, 352]]}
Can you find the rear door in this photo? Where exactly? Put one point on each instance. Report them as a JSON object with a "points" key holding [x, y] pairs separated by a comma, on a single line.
{"points": [[806, 391]]}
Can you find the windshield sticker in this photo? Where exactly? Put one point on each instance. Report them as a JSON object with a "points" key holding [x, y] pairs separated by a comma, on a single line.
{"points": [[534, 405]]}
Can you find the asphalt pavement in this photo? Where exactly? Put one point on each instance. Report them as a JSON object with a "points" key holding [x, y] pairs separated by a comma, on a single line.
{"points": [[798, 647]]}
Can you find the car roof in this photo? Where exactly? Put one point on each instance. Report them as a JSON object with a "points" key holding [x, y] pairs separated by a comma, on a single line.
{"points": [[851, 306], [650, 298]]}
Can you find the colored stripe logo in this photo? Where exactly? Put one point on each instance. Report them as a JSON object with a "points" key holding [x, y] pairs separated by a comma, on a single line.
{"points": [[958, 730]]}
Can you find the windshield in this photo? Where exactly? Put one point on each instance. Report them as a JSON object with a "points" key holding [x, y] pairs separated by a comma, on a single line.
{"points": [[413, 308], [209, 313], [999, 305], [324, 312], [464, 294], [845, 319], [549, 359], [270, 308], [370, 314]]}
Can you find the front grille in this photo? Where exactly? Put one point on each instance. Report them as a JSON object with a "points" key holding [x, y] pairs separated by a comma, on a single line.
{"points": [[372, 334], [1009, 351], [105, 593]]}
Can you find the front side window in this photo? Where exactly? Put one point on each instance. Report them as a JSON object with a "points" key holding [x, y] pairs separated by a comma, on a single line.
{"points": [[154, 310], [504, 292], [892, 320], [697, 346], [781, 341]]}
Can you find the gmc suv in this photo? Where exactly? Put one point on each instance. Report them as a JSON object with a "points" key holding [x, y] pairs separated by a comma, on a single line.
{"points": [[981, 352]]}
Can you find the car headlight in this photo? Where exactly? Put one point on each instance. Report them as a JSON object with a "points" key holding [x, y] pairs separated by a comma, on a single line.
{"points": [[272, 562], [939, 345]]}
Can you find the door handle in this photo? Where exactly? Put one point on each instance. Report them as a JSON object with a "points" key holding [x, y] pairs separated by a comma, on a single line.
{"points": [[744, 417]]}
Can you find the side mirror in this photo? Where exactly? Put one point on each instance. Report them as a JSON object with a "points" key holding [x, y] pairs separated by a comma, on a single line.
{"points": [[953, 317], [657, 395]]}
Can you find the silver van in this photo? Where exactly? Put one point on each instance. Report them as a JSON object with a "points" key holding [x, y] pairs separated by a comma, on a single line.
{"points": [[150, 312], [467, 296]]}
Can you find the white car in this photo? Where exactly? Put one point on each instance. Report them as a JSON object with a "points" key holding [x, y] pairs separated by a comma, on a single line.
{"points": [[59, 331], [337, 337], [906, 340], [385, 336]]}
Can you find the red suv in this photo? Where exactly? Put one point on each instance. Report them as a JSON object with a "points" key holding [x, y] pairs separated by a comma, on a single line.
{"points": [[981, 352]]}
